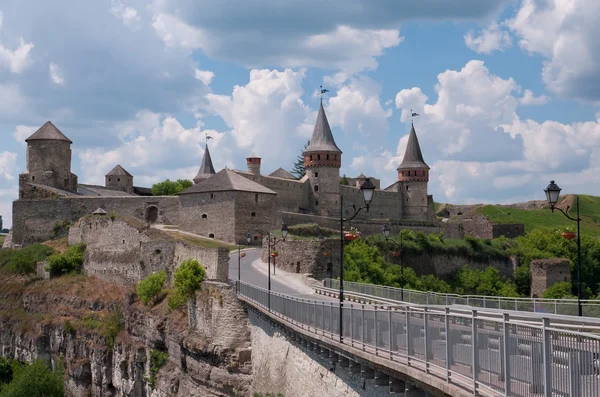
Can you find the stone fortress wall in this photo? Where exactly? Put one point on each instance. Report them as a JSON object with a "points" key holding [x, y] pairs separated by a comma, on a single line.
{"points": [[126, 251], [480, 226], [291, 194]]}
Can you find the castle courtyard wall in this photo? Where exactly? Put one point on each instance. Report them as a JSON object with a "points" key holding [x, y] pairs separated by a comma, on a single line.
{"points": [[291, 194], [255, 214], [34, 220], [209, 215]]}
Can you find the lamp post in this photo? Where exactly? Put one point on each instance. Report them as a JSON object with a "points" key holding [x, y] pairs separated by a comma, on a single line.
{"points": [[385, 229], [367, 189], [248, 238], [284, 233], [552, 193]]}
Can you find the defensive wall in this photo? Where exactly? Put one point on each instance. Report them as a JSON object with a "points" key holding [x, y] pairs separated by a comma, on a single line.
{"points": [[126, 251], [291, 194], [547, 272], [481, 227], [35, 220]]}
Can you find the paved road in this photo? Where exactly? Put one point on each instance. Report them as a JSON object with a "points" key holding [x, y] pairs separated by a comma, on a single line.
{"points": [[251, 275]]}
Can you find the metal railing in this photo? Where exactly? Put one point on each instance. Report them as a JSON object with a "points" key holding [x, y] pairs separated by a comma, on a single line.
{"points": [[591, 308], [486, 353]]}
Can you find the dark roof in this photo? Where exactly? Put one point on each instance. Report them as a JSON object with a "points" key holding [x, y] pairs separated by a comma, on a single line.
{"points": [[281, 173], [48, 132], [102, 191], [227, 180], [118, 171], [322, 138], [206, 167], [361, 176], [142, 191], [413, 158]]}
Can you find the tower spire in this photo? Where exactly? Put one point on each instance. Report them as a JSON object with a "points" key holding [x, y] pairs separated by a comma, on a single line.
{"points": [[322, 138], [206, 166]]}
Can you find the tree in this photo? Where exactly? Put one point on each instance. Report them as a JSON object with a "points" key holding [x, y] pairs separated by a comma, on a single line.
{"points": [[150, 287], [560, 290], [188, 277], [299, 170], [344, 180], [35, 380], [169, 187]]}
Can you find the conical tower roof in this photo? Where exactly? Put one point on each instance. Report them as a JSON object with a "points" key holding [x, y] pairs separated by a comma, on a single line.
{"points": [[413, 158], [206, 168], [322, 138], [118, 171], [48, 132]]}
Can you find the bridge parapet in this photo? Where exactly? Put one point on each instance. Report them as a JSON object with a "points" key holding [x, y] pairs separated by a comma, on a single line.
{"points": [[454, 352]]}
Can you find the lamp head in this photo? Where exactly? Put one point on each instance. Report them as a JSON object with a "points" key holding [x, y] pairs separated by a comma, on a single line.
{"points": [[368, 189], [385, 229], [321, 238], [552, 194], [284, 231], [248, 238]]}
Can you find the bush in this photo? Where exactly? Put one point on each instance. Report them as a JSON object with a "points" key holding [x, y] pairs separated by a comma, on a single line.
{"points": [[61, 229], [175, 300], [113, 324], [559, 290], [169, 187], [69, 261], [189, 277], [158, 359], [311, 230], [24, 260], [149, 288], [35, 380], [482, 282]]}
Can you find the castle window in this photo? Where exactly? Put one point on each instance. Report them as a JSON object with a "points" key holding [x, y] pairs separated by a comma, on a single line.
{"points": [[109, 179], [212, 195], [328, 157], [211, 235], [118, 179], [316, 188], [253, 214], [318, 157], [204, 216], [311, 157], [156, 252], [317, 202], [316, 174], [256, 197], [123, 241], [335, 156], [33, 178]]}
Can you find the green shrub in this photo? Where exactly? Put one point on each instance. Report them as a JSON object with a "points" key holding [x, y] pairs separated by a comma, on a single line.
{"points": [[24, 260], [61, 229], [35, 380], [69, 261], [188, 277], [175, 300], [149, 288], [6, 370], [113, 324], [158, 359], [559, 290]]}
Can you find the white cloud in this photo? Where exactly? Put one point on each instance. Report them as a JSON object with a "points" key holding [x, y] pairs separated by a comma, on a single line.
{"points": [[529, 98], [8, 165], [16, 60], [56, 74], [563, 32], [128, 15], [23, 132], [1, 18], [489, 40], [205, 76], [358, 162], [174, 32]]}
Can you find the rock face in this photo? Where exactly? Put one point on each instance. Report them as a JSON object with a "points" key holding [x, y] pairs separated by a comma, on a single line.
{"points": [[68, 319]]}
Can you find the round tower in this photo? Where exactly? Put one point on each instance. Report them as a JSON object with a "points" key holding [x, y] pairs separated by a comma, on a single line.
{"points": [[413, 175], [49, 159], [322, 162], [253, 163]]}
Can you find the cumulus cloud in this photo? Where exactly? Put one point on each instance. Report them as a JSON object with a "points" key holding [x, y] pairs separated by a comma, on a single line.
{"points": [[23, 132], [127, 14], [529, 98], [564, 33], [16, 60], [8, 165], [205, 76], [55, 74], [488, 40]]}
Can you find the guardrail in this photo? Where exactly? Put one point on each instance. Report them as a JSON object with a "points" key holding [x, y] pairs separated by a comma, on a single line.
{"points": [[591, 308], [484, 353]]}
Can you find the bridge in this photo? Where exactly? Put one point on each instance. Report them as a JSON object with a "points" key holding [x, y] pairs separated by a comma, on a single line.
{"points": [[454, 350]]}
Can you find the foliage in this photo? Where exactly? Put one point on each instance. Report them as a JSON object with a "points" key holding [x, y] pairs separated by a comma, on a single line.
{"points": [[6, 370], [311, 230], [299, 170], [35, 380], [468, 281], [61, 228], [113, 324], [559, 290], [69, 261], [175, 300], [344, 180], [112, 215], [188, 277], [158, 359], [24, 260], [522, 279], [169, 187], [149, 288]]}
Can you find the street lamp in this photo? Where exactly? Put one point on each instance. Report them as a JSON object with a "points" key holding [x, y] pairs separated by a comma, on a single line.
{"points": [[552, 193], [385, 229], [367, 189], [284, 233], [240, 256]]}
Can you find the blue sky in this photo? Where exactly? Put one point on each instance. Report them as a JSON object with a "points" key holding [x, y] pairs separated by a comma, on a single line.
{"points": [[508, 91]]}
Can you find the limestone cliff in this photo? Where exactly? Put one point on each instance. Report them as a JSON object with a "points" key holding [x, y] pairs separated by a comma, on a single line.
{"points": [[105, 337]]}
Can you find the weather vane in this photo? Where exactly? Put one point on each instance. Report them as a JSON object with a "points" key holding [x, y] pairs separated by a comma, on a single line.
{"points": [[412, 115], [207, 138], [323, 91]]}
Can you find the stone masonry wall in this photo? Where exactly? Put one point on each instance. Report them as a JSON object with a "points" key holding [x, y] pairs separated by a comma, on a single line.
{"points": [[209, 214], [33, 220], [444, 266], [291, 194], [481, 227], [254, 214], [384, 205], [546, 272]]}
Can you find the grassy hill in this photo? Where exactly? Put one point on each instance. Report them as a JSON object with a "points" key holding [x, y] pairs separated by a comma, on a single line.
{"points": [[544, 218]]}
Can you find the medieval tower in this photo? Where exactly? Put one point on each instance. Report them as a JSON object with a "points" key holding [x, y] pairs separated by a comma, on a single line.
{"points": [[206, 168], [413, 175], [253, 163], [322, 161], [49, 160], [119, 179]]}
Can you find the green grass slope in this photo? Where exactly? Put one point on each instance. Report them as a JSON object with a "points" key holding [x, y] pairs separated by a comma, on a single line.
{"points": [[544, 218]]}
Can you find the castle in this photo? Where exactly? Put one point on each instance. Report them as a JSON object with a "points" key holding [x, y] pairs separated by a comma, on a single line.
{"points": [[225, 205]]}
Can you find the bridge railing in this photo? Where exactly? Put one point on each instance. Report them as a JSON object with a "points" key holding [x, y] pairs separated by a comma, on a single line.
{"points": [[486, 353], [590, 308]]}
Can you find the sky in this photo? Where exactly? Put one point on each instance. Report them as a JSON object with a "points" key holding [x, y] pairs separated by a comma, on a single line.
{"points": [[507, 91]]}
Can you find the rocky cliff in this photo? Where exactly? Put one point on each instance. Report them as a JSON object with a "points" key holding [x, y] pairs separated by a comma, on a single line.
{"points": [[107, 339]]}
